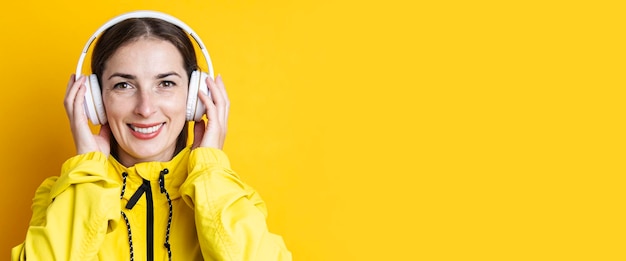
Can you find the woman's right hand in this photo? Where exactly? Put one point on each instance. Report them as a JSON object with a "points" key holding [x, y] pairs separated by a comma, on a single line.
{"points": [[84, 140]]}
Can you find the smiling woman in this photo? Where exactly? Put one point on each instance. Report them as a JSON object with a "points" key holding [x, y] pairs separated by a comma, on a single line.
{"points": [[181, 200], [144, 90]]}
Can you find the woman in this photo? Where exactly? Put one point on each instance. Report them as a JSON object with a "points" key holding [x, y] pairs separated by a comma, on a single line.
{"points": [[139, 189]]}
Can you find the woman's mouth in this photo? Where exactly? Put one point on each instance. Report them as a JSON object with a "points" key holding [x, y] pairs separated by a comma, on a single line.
{"points": [[145, 131]]}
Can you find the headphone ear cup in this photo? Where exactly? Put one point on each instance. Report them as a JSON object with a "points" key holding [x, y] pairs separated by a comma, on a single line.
{"points": [[192, 96], [195, 107], [94, 107], [203, 88]]}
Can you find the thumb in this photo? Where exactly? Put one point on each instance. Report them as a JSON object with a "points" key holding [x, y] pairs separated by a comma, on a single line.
{"points": [[105, 132], [198, 133], [103, 139]]}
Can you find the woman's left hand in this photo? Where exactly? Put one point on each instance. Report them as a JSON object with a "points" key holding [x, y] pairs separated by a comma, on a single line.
{"points": [[213, 132]]}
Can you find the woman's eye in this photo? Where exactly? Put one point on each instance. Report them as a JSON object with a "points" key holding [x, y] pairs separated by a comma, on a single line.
{"points": [[167, 84], [121, 85]]}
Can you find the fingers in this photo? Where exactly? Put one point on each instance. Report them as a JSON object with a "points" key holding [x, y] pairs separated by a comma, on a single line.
{"points": [[69, 99], [70, 82], [79, 101], [225, 100], [220, 99], [74, 100], [74, 94], [209, 104], [217, 106]]}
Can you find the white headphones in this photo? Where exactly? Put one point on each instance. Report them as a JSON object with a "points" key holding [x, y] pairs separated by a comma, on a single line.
{"points": [[94, 106]]}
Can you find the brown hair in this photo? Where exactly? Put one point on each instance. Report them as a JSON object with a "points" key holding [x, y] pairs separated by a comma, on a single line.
{"points": [[131, 30], [135, 28]]}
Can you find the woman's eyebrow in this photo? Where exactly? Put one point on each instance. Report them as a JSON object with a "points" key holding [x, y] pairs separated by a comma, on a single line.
{"points": [[163, 75], [123, 75]]}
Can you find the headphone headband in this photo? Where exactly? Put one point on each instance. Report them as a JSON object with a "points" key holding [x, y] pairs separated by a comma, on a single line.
{"points": [[145, 14]]}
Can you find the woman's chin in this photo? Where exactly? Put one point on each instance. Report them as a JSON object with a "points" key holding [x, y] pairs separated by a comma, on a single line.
{"points": [[148, 153]]}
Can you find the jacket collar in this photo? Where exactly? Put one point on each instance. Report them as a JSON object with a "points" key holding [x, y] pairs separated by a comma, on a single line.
{"points": [[151, 171]]}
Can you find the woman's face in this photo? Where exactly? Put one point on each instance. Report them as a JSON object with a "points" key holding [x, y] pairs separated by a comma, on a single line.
{"points": [[144, 89]]}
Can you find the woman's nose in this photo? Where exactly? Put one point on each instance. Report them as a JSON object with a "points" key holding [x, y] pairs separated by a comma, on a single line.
{"points": [[145, 104]]}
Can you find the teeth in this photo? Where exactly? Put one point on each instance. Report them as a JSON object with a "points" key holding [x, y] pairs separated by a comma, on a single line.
{"points": [[147, 130]]}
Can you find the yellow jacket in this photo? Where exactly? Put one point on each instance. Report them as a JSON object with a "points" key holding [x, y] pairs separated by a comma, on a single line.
{"points": [[98, 209]]}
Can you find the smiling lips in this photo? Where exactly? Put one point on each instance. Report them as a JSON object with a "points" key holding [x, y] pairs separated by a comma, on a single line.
{"points": [[146, 131]]}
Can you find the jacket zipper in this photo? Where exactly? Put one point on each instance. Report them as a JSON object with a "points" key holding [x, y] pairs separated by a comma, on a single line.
{"points": [[149, 221], [145, 188]]}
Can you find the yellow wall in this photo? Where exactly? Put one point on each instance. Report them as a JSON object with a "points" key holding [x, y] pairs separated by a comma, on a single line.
{"points": [[375, 130]]}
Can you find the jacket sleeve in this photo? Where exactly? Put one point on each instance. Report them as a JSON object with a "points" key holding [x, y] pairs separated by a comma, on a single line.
{"points": [[230, 215], [72, 212]]}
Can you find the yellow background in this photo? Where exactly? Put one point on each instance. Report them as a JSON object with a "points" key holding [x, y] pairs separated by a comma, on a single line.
{"points": [[375, 130]]}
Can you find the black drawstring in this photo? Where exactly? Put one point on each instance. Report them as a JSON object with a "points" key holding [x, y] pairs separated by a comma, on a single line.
{"points": [[130, 234], [124, 175], [169, 219], [145, 186], [133, 200]]}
